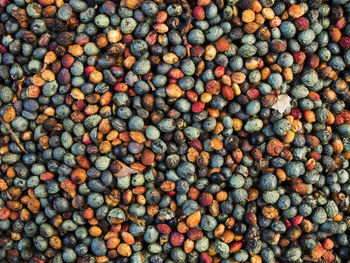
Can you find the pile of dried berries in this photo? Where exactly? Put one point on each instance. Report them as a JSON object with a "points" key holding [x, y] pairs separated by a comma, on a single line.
{"points": [[172, 131]]}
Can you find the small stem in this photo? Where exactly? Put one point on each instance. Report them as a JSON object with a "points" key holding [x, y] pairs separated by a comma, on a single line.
{"points": [[20, 84], [153, 88], [43, 68], [14, 135], [189, 17]]}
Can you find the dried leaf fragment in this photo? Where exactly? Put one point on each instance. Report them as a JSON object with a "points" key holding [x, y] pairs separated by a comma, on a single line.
{"points": [[120, 169], [283, 103]]}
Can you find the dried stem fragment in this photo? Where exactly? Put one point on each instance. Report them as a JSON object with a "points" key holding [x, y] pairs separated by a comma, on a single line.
{"points": [[131, 217], [188, 25], [20, 84], [14, 135]]}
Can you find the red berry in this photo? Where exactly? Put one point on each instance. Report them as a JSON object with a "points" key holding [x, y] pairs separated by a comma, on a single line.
{"points": [[296, 113], [199, 13], [227, 92], [89, 70], [205, 258], [2, 49], [302, 23], [120, 87], [339, 120], [196, 144], [297, 220], [345, 42], [222, 44], [314, 61], [287, 222], [86, 139], [176, 73], [164, 229], [341, 23], [198, 106], [127, 39], [299, 57], [172, 193], [219, 71], [206, 199], [176, 239], [195, 234], [328, 243], [328, 256], [192, 95], [253, 94]]}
